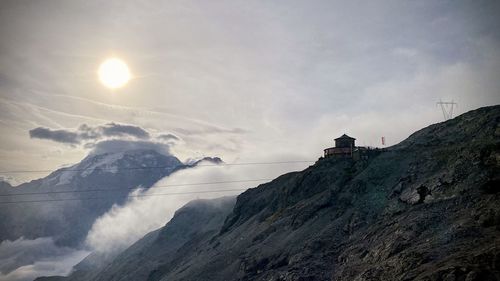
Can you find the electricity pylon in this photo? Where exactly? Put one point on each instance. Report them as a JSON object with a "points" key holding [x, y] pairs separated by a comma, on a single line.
{"points": [[447, 108]]}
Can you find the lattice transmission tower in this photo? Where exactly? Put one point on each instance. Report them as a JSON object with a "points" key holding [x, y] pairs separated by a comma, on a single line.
{"points": [[447, 108]]}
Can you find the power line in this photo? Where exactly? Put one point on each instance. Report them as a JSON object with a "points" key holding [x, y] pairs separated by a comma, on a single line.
{"points": [[141, 195], [257, 163], [132, 188], [159, 167], [130, 196]]}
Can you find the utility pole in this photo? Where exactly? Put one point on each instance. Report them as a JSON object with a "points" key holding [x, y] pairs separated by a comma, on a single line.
{"points": [[447, 108]]}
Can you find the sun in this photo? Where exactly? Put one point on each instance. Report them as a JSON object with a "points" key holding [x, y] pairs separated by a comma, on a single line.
{"points": [[113, 73]]}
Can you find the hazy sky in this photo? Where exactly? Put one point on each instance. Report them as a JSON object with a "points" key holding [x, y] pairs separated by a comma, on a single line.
{"points": [[243, 80]]}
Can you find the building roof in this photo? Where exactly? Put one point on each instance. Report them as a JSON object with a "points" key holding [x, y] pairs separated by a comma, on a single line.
{"points": [[344, 136]]}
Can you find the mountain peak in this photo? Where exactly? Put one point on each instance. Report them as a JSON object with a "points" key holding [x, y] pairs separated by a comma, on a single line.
{"points": [[109, 176], [197, 161]]}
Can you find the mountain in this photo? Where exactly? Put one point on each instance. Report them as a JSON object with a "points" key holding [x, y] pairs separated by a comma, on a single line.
{"points": [[105, 178], [425, 209], [4, 186], [192, 225], [211, 160]]}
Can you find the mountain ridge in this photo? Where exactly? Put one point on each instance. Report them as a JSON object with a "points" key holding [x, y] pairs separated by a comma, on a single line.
{"points": [[426, 209], [69, 221]]}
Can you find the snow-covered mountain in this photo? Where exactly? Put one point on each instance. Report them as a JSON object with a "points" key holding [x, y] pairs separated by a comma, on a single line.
{"points": [[114, 164], [79, 194]]}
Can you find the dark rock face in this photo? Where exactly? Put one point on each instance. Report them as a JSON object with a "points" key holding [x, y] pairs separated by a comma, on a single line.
{"points": [[427, 209]]}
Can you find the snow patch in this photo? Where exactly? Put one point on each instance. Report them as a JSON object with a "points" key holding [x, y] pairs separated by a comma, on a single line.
{"points": [[66, 177], [107, 163]]}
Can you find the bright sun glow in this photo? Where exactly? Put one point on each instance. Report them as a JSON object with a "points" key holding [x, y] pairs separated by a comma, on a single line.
{"points": [[113, 73]]}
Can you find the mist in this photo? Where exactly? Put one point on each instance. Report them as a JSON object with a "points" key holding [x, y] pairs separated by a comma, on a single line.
{"points": [[24, 259], [123, 225]]}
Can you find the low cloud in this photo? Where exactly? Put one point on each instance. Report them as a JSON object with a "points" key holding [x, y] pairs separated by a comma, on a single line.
{"points": [[24, 259], [123, 225], [113, 146], [113, 129], [6, 180]]}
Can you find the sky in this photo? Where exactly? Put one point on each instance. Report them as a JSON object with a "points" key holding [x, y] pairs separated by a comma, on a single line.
{"points": [[243, 80], [247, 81]]}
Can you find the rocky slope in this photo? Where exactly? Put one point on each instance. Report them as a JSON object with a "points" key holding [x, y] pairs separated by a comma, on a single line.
{"points": [[192, 226], [426, 209]]}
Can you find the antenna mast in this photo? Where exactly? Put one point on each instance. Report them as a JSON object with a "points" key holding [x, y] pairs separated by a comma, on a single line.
{"points": [[447, 108]]}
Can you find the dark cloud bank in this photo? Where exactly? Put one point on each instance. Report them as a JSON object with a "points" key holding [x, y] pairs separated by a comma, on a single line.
{"points": [[62, 136], [86, 133]]}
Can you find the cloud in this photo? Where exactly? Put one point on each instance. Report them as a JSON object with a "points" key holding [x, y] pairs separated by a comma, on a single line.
{"points": [[85, 133], [62, 136], [24, 259], [211, 130], [287, 68], [9, 180], [168, 137], [123, 225], [113, 129], [112, 146]]}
